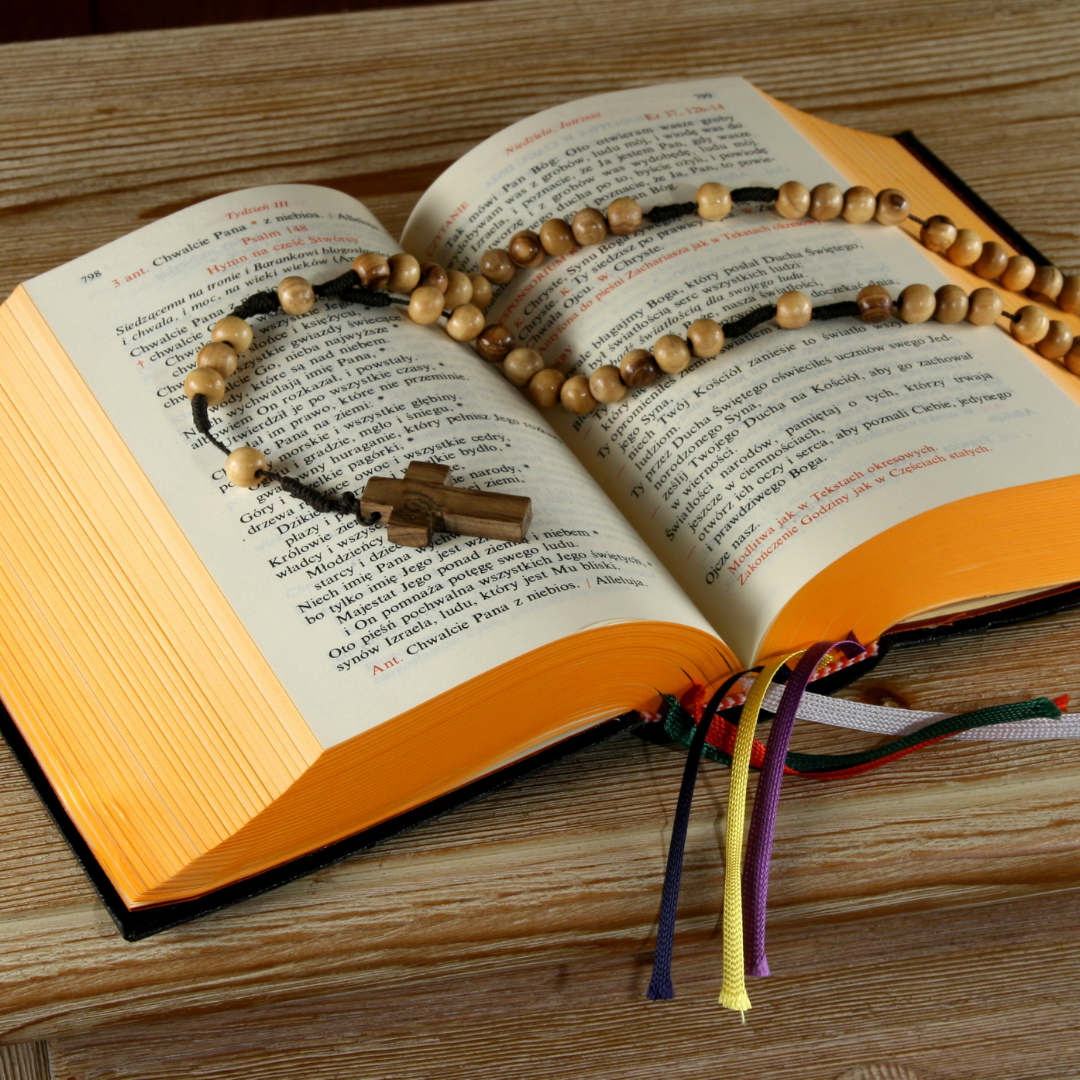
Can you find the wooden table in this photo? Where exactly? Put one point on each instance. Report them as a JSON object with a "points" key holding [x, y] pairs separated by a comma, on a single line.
{"points": [[926, 914]]}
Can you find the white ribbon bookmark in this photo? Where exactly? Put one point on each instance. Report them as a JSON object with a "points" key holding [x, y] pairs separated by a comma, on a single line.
{"points": [[896, 722]]}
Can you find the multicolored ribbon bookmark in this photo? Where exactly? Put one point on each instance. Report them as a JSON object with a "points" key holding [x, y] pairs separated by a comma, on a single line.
{"points": [[746, 890], [733, 990], [1039, 718]]}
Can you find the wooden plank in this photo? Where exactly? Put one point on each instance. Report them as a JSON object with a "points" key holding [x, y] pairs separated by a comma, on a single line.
{"points": [[481, 921], [25, 1061], [961, 995]]}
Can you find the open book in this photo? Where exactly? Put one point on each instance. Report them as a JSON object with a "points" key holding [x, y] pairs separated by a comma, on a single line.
{"points": [[217, 680]]}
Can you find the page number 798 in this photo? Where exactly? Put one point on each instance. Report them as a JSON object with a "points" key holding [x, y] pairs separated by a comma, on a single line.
{"points": [[91, 277]]}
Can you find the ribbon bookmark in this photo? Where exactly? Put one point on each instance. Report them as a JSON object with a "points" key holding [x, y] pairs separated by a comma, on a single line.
{"points": [[763, 822], [733, 989], [660, 986]]}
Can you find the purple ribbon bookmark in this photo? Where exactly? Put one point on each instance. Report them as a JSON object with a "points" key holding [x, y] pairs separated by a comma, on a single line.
{"points": [[763, 820]]}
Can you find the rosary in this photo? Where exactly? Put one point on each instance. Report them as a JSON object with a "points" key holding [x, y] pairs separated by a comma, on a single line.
{"points": [[425, 501]]}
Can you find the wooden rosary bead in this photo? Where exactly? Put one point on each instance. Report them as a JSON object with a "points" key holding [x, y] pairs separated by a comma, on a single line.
{"points": [[434, 276], [892, 207], [671, 354], [233, 331], [966, 248], [1058, 341], [459, 290], [544, 387], [637, 368], [589, 226], [1031, 325], [557, 237], [606, 385], [576, 396], [826, 202], [1072, 358], [481, 291], [465, 323], [984, 306], [938, 234], [426, 305], [404, 273], [875, 304], [1018, 273], [218, 355], [525, 249], [296, 296], [624, 217], [494, 343], [242, 467], [917, 304], [1046, 284], [706, 337], [713, 201], [521, 365], [205, 381], [952, 304], [497, 266], [793, 200], [1069, 297], [372, 270], [860, 205], [794, 309], [992, 262]]}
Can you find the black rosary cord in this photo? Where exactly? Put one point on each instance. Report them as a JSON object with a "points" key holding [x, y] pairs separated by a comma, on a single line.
{"points": [[318, 500], [755, 194], [345, 287], [842, 309], [745, 323], [658, 215], [200, 416], [350, 288], [262, 303], [333, 288], [368, 297]]}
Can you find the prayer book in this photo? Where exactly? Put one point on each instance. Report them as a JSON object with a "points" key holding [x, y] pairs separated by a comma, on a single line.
{"points": [[213, 684]]}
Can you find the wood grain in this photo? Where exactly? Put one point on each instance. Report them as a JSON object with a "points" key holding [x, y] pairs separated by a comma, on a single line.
{"points": [[513, 937], [959, 1000], [25, 1061]]}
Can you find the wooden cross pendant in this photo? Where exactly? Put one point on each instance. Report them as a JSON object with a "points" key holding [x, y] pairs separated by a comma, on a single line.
{"points": [[425, 501]]}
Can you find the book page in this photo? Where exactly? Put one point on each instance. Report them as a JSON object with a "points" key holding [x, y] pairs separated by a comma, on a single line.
{"points": [[749, 473], [358, 629]]}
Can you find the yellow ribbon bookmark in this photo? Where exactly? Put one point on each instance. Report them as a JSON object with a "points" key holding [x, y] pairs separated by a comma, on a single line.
{"points": [[733, 990]]}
